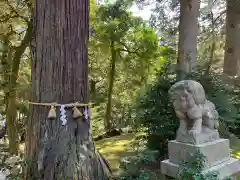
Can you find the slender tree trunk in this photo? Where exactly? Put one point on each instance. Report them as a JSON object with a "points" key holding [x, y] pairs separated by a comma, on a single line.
{"points": [[93, 89], [6, 60], [213, 46], [60, 74], [232, 45], [12, 93], [108, 124], [188, 32]]}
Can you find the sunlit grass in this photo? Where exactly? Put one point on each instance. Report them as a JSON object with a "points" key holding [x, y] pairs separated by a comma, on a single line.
{"points": [[116, 148], [236, 153], [235, 147]]}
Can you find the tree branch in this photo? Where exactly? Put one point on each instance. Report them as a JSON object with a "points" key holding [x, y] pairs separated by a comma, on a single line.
{"points": [[19, 50], [221, 13], [9, 33], [127, 49], [5, 18], [15, 11]]}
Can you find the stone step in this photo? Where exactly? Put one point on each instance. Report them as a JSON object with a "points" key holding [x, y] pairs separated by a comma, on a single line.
{"points": [[226, 169], [215, 152]]}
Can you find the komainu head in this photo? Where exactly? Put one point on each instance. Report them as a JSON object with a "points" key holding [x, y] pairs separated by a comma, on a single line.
{"points": [[188, 87]]}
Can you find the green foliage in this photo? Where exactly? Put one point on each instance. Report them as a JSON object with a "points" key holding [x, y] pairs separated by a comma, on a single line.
{"points": [[225, 98], [97, 123], [141, 175], [154, 111], [116, 21], [214, 89], [135, 167], [192, 169], [137, 48]]}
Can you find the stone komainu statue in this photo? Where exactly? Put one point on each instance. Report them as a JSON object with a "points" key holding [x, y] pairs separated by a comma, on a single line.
{"points": [[195, 112]]}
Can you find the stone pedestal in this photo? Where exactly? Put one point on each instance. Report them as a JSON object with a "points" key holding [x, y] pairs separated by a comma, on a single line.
{"points": [[217, 155], [207, 135]]}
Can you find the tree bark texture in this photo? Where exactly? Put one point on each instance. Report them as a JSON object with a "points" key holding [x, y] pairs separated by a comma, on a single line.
{"points": [[188, 32], [108, 123], [232, 44], [60, 74], [6, 60]]}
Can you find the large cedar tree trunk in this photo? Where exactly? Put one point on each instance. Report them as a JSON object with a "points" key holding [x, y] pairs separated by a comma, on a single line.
{"points": [[60, 74], [232, 45], [188, 32]]}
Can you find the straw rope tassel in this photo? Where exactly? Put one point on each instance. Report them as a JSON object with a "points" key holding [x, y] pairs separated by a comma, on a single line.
{"points": [[52, 113], [76, 113]]}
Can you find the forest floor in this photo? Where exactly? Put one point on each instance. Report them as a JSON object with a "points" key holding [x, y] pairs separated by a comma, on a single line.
{"points": [[116, 148]]}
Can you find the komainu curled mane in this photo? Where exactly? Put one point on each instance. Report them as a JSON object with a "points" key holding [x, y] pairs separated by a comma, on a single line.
{"points": [[195, 112]]}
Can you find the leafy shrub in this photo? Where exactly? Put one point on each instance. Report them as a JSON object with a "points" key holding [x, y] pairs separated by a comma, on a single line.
{"points": [[192, 169], [135, 167], [97, 121], [141, 175], [154, 112], [225, 98]]}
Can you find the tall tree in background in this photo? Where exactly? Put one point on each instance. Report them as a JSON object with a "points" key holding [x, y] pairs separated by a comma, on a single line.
{"points": [[232, 47], [188, 32], [15, 41], [60, 74], [11, 114]]}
